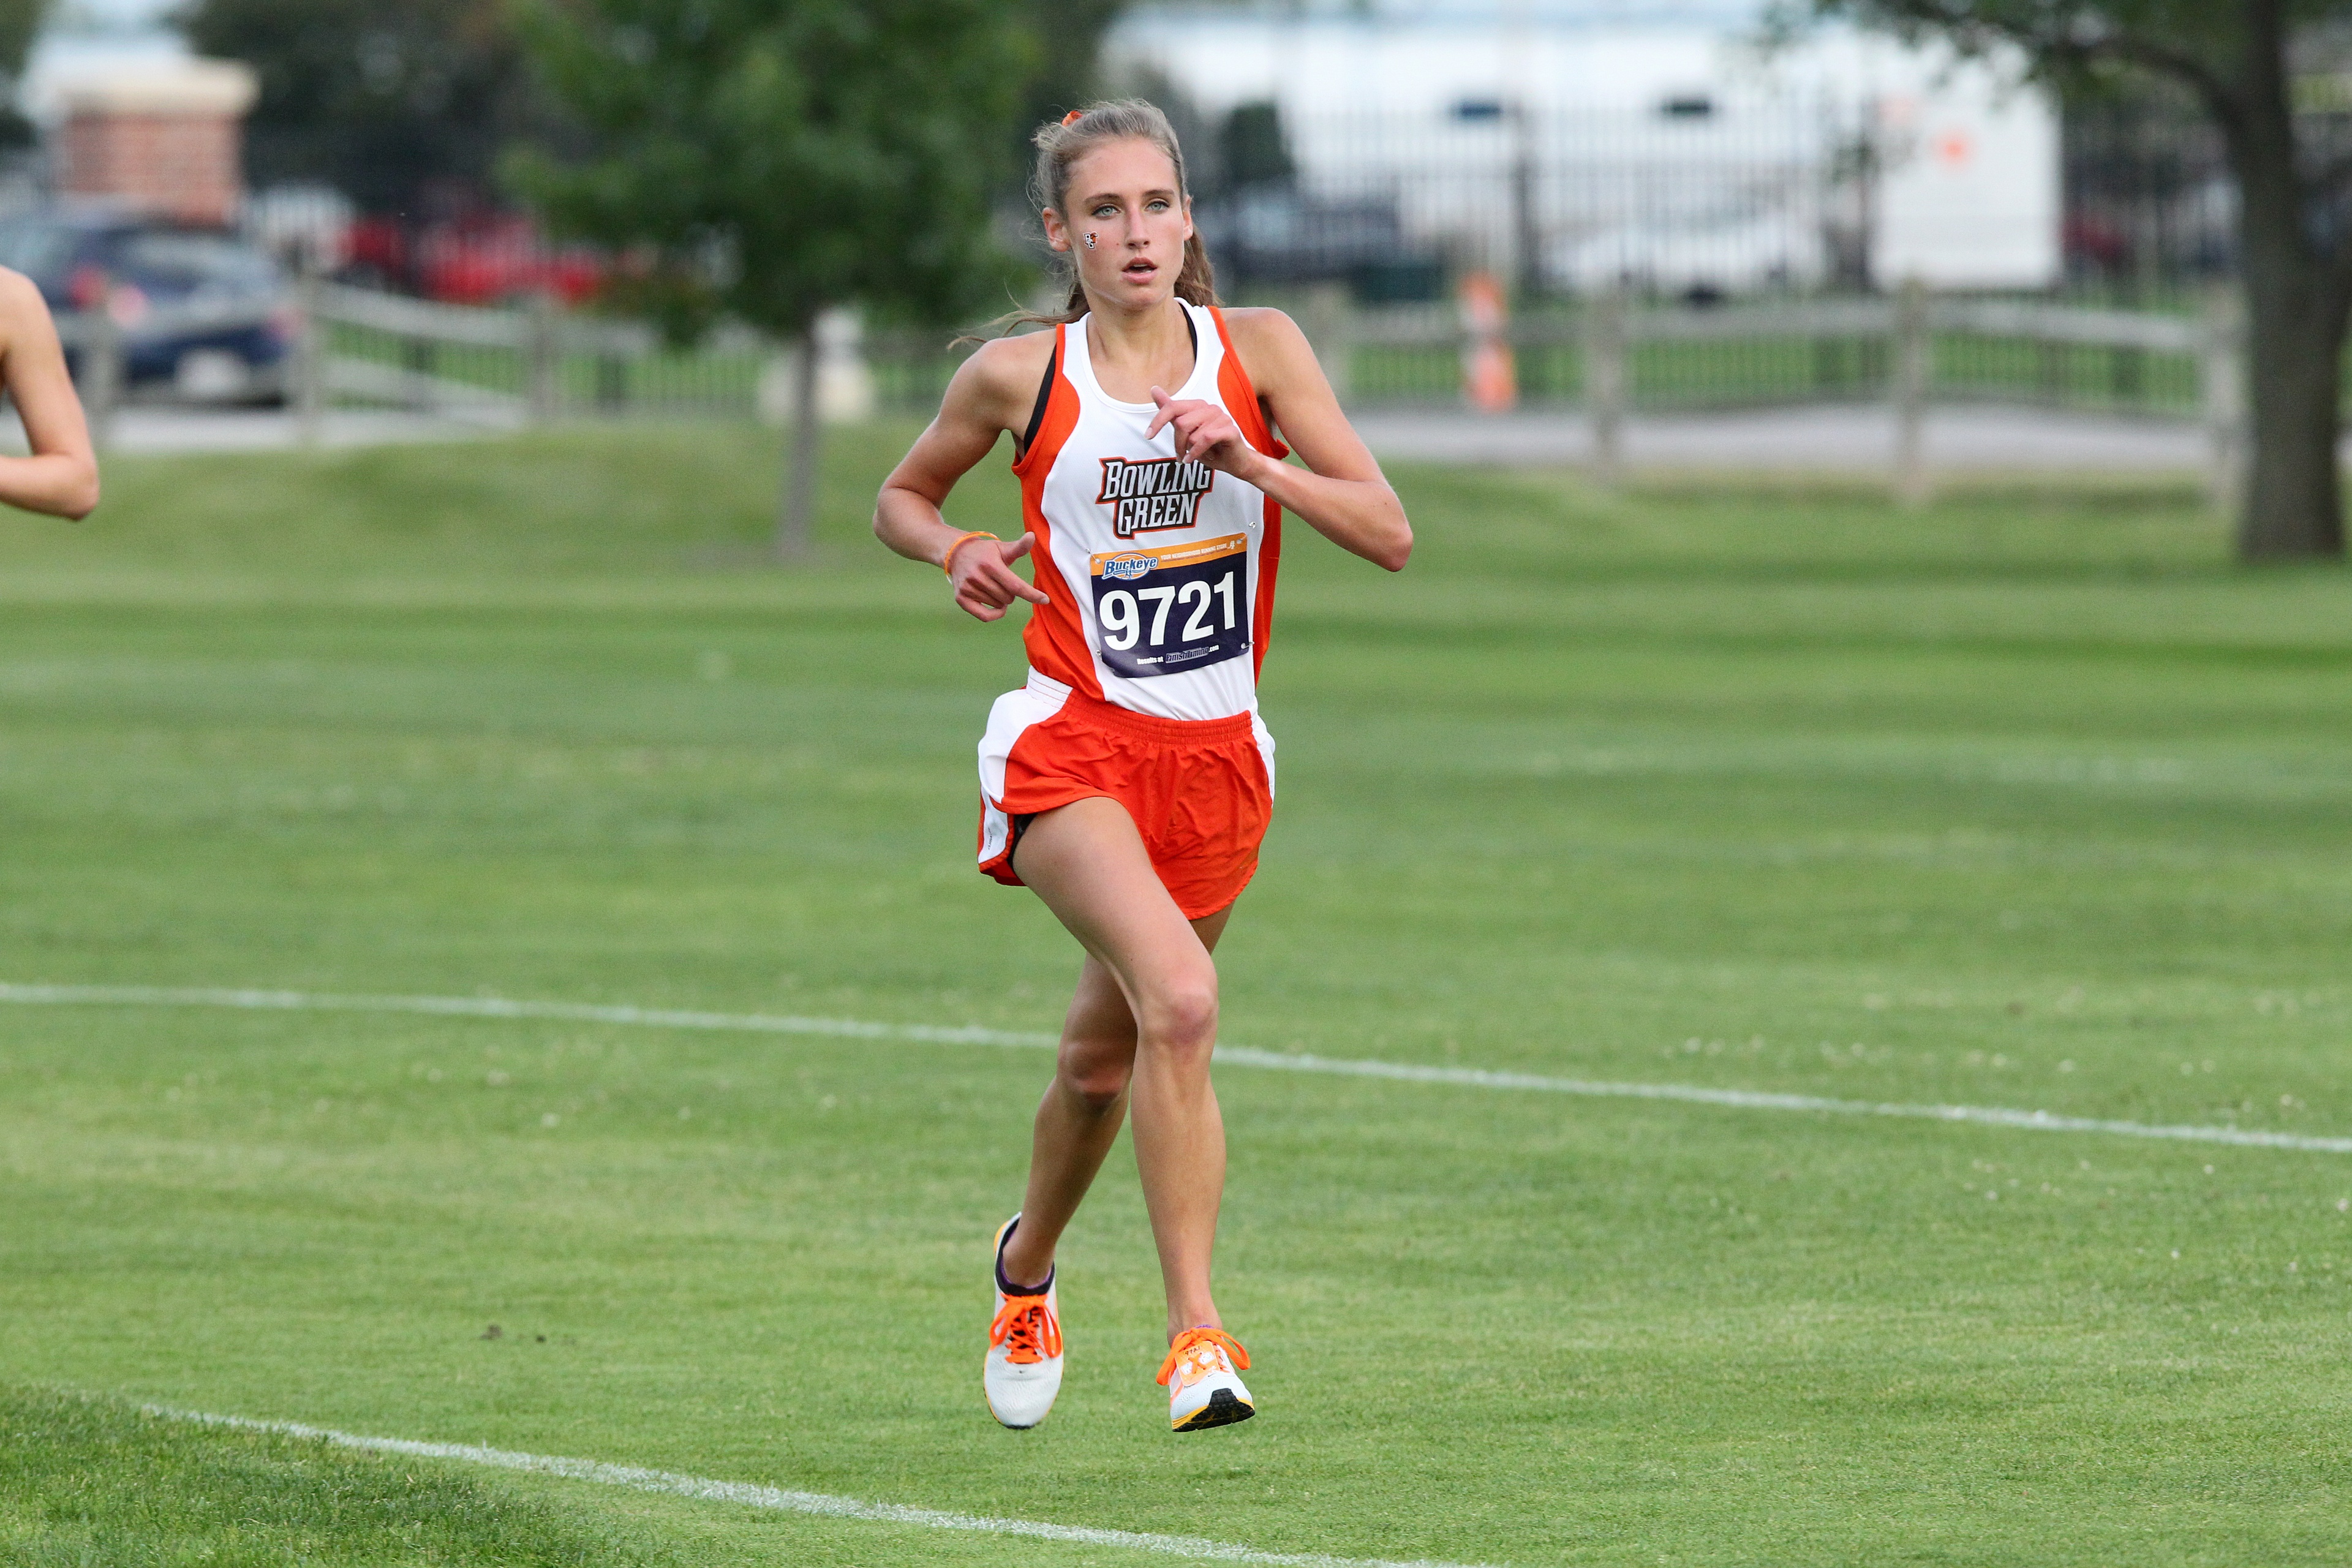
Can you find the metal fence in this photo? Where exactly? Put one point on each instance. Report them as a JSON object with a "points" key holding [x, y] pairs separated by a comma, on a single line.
{"points": [[1719, 200]]}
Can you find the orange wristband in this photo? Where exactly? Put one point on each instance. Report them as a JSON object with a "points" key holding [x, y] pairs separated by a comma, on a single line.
{"points": [[946, 561]]}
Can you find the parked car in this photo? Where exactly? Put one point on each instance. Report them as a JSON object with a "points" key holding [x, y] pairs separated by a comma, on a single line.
{"points": [[485, 259], [1278, 233], [201, 313], [1700, 256]]}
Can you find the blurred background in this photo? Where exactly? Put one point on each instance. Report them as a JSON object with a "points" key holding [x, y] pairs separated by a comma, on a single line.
{"points": [[1518, 229]]}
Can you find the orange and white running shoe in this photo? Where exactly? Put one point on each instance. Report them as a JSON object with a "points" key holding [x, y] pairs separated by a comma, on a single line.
{"points": [[1024, 1369], [1203, 1388]]}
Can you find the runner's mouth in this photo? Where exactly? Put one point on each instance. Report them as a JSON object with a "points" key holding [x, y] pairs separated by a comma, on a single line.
{"points": [[1140, 267]]}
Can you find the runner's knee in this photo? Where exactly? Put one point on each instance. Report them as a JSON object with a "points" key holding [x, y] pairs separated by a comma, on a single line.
{"points": [[1096, 1084], [1094, 1072], [1181, 1016]]}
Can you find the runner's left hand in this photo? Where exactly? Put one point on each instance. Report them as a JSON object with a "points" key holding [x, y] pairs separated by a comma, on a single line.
{"points": [[1205, 432]]}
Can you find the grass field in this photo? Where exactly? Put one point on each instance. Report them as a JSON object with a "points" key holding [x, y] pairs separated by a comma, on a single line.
{"points": [[2013, 802]]}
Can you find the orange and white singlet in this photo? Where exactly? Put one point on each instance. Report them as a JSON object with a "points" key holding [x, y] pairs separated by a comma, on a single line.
{"points": [[1160, 572]]}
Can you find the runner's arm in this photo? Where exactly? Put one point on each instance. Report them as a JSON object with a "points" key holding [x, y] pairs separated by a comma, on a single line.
{"points": [[983, 402], [1341, 493], [61, 477]]}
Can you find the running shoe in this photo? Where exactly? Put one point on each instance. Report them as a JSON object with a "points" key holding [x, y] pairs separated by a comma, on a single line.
{"points": [[1024, 1369], [1203, 1388]]}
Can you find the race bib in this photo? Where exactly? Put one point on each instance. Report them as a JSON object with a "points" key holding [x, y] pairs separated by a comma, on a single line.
{"points": [[1178, 607]]}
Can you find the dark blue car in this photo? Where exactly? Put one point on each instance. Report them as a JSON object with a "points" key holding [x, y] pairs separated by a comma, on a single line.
{"points": [[201, 313]]}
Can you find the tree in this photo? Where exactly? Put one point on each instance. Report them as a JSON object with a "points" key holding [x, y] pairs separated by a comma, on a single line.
{"points": [[787, 156], [1068, 34], [391, 101], [1252, 148], [2237, 59], [20, 20]]}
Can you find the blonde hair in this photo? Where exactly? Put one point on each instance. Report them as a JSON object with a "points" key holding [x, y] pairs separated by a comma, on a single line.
{"points": [[1062, 142]]}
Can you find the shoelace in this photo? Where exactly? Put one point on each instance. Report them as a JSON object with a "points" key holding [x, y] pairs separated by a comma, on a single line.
{"points": [[1201, 1340], [1025, 1326]]}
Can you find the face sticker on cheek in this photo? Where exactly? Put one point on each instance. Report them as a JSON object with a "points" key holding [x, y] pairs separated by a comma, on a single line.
{"points": [[1090, 239]]}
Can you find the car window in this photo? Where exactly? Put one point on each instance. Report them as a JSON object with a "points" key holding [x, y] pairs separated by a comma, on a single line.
{"points": [[165, 262]]}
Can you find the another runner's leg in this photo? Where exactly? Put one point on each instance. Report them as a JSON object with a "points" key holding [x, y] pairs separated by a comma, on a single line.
{"points": [[1079, 1117], [1089, 864]]}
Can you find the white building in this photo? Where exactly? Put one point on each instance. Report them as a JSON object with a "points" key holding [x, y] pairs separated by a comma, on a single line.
{"points": [[1589, 139]]}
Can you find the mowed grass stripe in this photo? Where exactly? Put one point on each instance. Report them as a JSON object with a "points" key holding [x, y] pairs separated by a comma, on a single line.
{"points": [[777, 1499], [1237, 1055]]}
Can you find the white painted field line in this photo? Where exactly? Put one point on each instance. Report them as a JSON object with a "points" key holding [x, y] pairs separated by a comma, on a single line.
{"points": [[1234, 1055], [500, 1007], [783, 1501]]}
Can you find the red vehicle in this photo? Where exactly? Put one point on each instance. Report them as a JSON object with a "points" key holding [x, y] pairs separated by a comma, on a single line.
{"points": [[488, 259]]}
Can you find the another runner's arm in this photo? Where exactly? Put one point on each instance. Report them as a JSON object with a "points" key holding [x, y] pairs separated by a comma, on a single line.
{"points": [[61, 477], [986, 398], [1341, 493]]}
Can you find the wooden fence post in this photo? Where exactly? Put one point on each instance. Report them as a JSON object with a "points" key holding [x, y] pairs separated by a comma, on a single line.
{"points": [[1913, 366], [101, 367], [1605, 382], [307, 365], [542, 352], [2223, 392]]}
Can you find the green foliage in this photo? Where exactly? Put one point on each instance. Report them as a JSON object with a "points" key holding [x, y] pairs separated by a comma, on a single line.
{"points": [[2210, 47], [795, 154], [1252, 148], [19, 21], [1069, 36], [399, 103], [2051, 20]]}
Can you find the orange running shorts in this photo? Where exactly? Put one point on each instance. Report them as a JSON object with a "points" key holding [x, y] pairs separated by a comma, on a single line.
{"points": [[1200, 791]]}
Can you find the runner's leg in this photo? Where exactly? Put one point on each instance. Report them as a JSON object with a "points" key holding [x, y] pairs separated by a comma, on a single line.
{"points": [[1088, 863], [1079, 1117]]}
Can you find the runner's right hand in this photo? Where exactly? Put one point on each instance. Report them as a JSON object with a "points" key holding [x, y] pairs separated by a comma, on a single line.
{"points": [[985, 583]]}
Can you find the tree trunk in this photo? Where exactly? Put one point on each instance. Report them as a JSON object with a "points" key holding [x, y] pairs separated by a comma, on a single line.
{"points": [[797, 507], [2294, 508], [2295, 301]]}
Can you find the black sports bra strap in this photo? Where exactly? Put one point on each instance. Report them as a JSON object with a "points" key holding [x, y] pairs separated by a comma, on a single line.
{"points": [[1037, 414]]}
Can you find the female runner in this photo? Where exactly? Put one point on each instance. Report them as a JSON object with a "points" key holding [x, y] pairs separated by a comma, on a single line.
{"points": [[1130, 781]]}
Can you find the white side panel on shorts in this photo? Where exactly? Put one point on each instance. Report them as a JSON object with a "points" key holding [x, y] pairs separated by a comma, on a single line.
{"points": [[1265, 749], [1011, 714]]}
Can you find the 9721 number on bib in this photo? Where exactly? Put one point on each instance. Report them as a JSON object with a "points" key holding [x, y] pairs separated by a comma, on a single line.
{"points": [[1175, 608]]}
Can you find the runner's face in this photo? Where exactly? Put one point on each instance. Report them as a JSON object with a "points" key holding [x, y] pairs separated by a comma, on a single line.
{"points": [[1124, 194]]}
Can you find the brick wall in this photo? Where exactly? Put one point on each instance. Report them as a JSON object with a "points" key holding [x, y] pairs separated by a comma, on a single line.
{"points": [[182, 165]]}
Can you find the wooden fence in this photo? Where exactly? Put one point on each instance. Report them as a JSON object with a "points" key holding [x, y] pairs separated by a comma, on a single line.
{"points": [[1603, 361]]}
